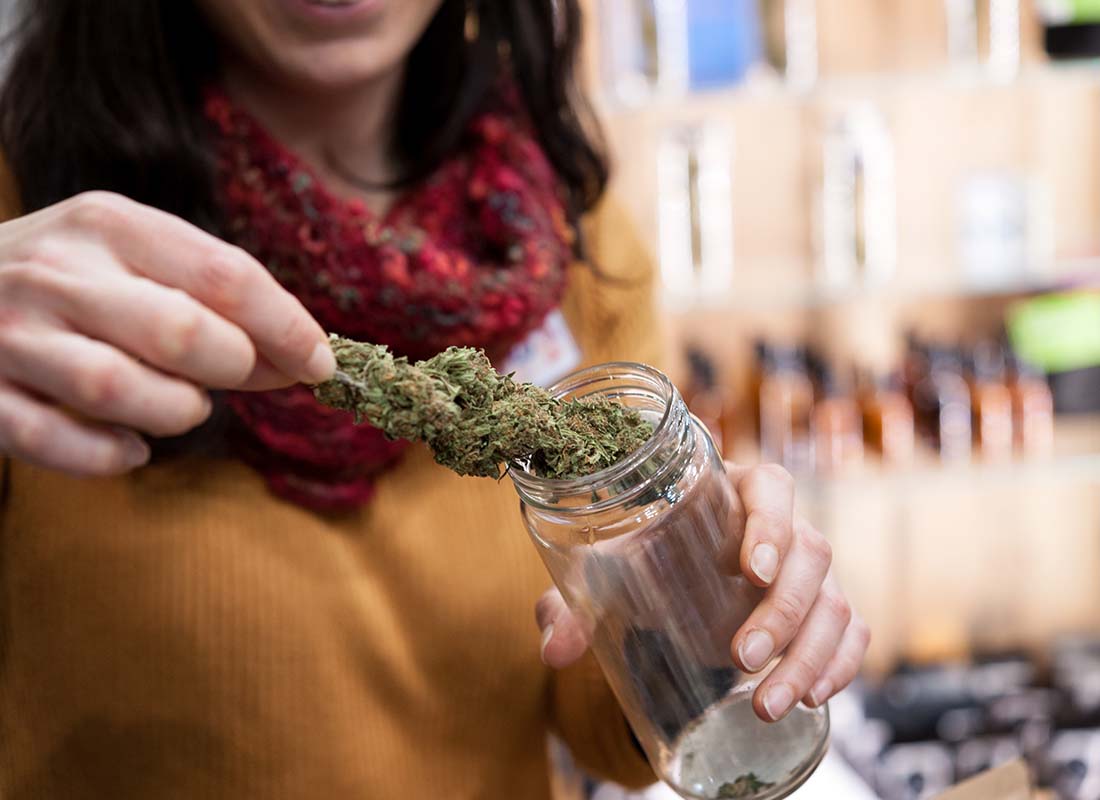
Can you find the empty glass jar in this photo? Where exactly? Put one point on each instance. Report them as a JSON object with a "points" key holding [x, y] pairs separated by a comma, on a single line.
{"points": [[643, 554]]}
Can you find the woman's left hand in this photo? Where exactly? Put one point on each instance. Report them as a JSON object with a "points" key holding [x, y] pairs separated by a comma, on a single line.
{"points": [[804, 616]]}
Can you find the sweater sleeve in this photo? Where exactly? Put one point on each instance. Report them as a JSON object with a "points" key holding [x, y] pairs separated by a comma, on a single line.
{"points": [[590, 721], [612, 308]]}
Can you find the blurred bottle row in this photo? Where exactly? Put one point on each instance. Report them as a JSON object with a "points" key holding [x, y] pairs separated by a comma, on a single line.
{"points": [[926, 727], [676, 46], [954, 402]]}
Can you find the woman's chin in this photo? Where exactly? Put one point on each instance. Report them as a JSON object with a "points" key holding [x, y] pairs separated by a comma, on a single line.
{"points": [[333, 66]]}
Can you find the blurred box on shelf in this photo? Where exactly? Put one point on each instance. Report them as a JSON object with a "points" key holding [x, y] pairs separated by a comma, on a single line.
{"points": [[1060, 334], [672, 47], [1071, 28], [1005, 228], [1008, 782]]}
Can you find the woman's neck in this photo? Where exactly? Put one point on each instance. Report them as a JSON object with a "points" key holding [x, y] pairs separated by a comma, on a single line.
{"points": [[339, 134]]}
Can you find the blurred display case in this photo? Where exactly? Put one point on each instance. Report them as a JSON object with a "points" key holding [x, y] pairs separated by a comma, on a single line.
{"points": [[861, 172]]}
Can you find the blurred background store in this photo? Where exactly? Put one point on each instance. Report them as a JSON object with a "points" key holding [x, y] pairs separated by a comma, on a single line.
{"points": [[878, 229]]}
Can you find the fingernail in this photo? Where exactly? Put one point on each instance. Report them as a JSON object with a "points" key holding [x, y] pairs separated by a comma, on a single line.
{"points": [[547, 635], [778, 701], [321, 364], [821, 692], [765, 561], [135, 451], [755, 650]]}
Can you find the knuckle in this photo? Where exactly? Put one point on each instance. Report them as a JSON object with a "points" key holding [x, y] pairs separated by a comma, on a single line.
{"points": [[787, 613], [862, 632], [545, 609], [773, 473], [178, 335], [838, 607], [223, 277], [802, 668], [29, 435], [20, 280], [44, 251], [98, 386], [818, 547], [97, 210], [294, 336], [12, 314], [773, 525]]}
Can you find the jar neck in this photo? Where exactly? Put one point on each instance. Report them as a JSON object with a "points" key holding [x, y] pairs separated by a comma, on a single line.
{"points": [[647, 391]]}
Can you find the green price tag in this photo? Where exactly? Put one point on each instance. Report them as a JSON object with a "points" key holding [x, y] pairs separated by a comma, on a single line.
{"points": [[1057, 332]]}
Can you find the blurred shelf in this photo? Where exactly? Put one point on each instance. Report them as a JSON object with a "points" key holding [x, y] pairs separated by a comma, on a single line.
{"points": [[1075, 459], [1082, 468], [766, 85], [1065, 275]]}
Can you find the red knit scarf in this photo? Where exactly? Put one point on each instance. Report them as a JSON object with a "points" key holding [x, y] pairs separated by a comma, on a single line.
{"points": [[475, 255]]}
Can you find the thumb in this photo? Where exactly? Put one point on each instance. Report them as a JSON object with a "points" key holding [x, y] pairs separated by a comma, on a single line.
{"points": [[564, 635]]}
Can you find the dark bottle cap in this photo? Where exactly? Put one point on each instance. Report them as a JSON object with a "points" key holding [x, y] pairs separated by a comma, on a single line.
{"points": [[788, 359], [831, 382], [987, 362], [703, 373], [816, 364], [764, 354], [945, 359], [1021, 368]]}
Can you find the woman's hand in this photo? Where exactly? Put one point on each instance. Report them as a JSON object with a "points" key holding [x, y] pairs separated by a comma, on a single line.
{"points": [[124, 315], [804, 616]]}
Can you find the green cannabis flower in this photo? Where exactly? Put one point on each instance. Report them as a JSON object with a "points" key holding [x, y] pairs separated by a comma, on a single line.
{"points": [[745, 786], [473, 418]]}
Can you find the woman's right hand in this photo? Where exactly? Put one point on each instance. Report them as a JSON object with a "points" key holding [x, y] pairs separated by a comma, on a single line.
{"points": [[115, 318]]}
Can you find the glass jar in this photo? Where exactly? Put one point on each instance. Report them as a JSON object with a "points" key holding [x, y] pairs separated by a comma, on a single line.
{"points": [[642, 554]]}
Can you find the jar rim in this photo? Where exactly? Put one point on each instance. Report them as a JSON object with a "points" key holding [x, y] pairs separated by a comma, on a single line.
{"points": [[530, 484]]}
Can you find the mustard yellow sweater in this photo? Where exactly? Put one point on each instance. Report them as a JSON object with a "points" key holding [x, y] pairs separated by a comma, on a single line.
{"points": [[180, 633]]}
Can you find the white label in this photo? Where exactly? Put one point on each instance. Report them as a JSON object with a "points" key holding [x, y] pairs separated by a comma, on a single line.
{"points": [[547, 355]]}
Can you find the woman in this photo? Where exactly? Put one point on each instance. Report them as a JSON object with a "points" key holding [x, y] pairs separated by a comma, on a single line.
{"points": [[212, 587]]}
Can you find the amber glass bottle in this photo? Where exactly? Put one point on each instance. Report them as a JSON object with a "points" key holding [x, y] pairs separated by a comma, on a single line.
{"points": [[991, 402], [1032, 410], [786, 407], [941, 403], [837, 427], [888, 426]]}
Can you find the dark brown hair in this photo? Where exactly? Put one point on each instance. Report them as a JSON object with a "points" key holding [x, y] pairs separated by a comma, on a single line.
{"points": [[107, 96]]}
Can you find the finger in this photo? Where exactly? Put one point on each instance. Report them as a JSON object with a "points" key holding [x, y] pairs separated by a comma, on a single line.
{"points": [[564, 636], [100, 382], [804, 661], [767, 493], [162, 326], [845, 664], [775, 622], [265, 377], [40, 434], [729, 555], [224, 278]]}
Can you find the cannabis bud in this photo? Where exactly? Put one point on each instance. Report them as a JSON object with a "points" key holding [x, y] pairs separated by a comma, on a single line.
{"points": [[473, 418], [747, 785]]}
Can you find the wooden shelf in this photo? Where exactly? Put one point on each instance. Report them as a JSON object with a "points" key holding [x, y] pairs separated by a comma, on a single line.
{"points": [[1068, 274], [768, 86]]}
